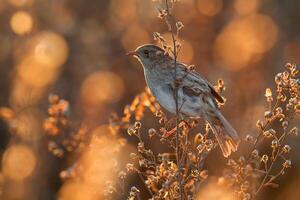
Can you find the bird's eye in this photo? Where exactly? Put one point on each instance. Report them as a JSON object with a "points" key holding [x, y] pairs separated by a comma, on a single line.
{"points": [[146, 52]]}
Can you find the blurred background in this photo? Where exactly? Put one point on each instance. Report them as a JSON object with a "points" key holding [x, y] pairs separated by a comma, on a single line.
{"points": [[76, 49]]}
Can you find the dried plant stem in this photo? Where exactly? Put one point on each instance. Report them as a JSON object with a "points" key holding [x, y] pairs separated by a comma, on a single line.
{"points": [[179, 174], [283, 137], [261, 132]]}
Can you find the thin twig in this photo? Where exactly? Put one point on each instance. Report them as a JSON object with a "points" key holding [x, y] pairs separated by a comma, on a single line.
{"points": [[176, 104]]}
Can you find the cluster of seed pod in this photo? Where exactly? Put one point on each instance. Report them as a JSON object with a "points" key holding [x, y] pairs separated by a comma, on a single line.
{"points": [[258, 170]]}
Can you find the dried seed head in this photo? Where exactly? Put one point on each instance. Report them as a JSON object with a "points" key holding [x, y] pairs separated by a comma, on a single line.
{"points": [[287, 164], [255, 153], [131, 131], [203, 174], [179, 25], [268, 94], [294, 131], [268, 114], [269, 133], [133, 155], [286, 149], [249, 138], [122, 175], [279, 110], [264, 159], [285, 124], [259, 124], [137, 125], [130, 167], [151, 132], [274, 143]]}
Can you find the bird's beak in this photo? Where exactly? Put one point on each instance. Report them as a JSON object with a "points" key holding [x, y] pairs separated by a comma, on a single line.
{"points": [[132, 53]]}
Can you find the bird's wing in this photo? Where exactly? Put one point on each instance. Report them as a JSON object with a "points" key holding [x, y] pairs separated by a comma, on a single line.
{"points": [[194, 83]]}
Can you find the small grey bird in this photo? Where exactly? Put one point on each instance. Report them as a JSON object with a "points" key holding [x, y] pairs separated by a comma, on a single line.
{"points": [[196, 96]]}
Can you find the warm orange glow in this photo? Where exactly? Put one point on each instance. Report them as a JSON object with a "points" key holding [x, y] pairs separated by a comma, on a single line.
{"points": [[102, 87], [243, 40], [210, 7], [50, 49], [98, 163], [18, 162], [19, 3], [35, 73], [243, 7], [213, 191], [21, 22], [186, 53], [125, 10], [134, 37]]}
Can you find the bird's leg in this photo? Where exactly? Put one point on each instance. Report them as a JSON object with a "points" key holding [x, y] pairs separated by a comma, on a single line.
{"points": [[181, 124]]}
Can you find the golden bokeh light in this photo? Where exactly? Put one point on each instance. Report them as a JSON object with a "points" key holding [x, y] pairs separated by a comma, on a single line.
{"points": [[124, 10], [210, 7], [98, 163], [244, 40], [26, 125], [18, 162], [213, 191], [134, 36], [73, 190], [20, 3], [102, 87], [21, 22], [50, 49], [243, 7], [35, 73]]}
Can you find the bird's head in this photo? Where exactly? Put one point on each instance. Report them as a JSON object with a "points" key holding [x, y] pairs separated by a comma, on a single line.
{"points": [[148, 54]]}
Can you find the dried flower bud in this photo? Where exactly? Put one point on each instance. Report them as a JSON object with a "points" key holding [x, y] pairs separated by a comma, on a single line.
{"points": [[274, 143], [249, 138], [278, 78], [287, 164], [53, 99], [199, 138], [264, 158], [294, 131], [141, 147], [137, 125], [133, 155], [268, 94], [259, 124], [268, 114], [269, 133], [288, 65], [209, 144], [285, 124], [203, 174], [286, 149], [122, 175], [179, 25], [130, 167], [151, 132], [279, 110], [255, 153], [131, 131]]}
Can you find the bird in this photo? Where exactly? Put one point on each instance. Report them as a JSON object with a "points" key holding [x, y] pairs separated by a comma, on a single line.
{"points": [[196, 97]]}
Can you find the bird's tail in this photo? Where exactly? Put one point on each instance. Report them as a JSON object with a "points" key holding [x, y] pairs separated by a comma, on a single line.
{"points": [[225, 134]]}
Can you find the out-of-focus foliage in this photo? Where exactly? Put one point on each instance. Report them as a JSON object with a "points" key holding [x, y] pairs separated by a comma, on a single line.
{"points": [[77, 49]]}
